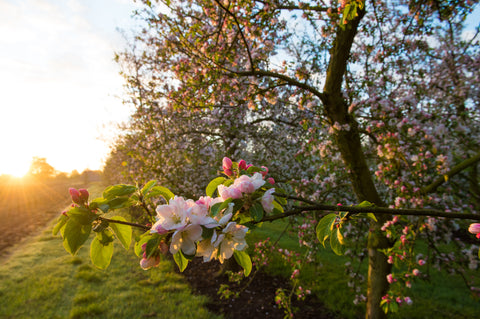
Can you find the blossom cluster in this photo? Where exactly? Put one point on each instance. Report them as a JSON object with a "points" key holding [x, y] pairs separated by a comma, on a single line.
{"points": [[199, 228]]}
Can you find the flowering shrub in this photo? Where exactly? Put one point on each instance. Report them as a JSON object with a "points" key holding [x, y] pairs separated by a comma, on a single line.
{"points": [[211, 227]]}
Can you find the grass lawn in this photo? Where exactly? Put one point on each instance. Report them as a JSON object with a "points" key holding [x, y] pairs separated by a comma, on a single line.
{"points": [[444, 296]]}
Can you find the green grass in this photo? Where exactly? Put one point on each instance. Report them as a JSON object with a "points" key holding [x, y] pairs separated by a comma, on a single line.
{"points": [[445, 296], [41, 280]]}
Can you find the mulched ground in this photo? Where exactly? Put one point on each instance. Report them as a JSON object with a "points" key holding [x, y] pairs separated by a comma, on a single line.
{"points": [[256, 300]]}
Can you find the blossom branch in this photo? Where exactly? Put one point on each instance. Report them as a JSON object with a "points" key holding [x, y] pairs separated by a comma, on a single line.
{"points": [[455, 170], [144, 227]]}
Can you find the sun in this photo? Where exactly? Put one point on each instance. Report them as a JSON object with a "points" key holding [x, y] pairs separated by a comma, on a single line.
{"points": [[16, 168]]}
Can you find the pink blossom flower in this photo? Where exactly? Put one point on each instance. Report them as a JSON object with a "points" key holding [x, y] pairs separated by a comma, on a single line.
{"points": [[267, 200], [229, 192], [408, 301], [172, 216], [416, 272], [185, 239], [271, 180], [390, 278], [475, 229], [422, 262]]}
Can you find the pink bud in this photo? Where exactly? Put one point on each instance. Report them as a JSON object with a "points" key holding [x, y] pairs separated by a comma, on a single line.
{"points": [[227, 163], [75, 196], [422, 262], [228, 172], [242, 165], [83, 194], [474, 228], [271, 180], [416, 272]]}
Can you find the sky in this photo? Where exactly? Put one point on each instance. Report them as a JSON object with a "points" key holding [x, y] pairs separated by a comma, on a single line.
{"points": [[60, 88]]}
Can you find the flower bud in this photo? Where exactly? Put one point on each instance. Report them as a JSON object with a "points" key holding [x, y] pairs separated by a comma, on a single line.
{"points": [[271, 180], [75, 196], [228, 172], [83, 194], [474, 228], [227, 163], [242, 165]]}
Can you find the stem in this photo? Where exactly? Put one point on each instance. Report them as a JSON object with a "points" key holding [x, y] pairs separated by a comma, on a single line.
{"points": [[124, 223]]}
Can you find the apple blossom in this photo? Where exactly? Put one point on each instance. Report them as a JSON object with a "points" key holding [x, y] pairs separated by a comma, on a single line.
{"points": [[267, 200], [185, 239]]}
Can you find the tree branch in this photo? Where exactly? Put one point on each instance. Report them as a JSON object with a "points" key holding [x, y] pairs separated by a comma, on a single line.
{"points": [[455, 170], [124, 223]]}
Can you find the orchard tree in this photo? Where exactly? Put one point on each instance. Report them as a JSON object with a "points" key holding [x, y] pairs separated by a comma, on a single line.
{"points": [[386, 93], [393, 89]]}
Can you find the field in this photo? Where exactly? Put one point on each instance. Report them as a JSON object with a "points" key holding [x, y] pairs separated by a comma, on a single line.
{"points": [[38, 279], [27, 205]]}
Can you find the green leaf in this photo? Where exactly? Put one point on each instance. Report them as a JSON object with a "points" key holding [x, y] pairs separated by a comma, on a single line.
{"points": [[82, 215], [325, 227], [277, 206], [148, 186], [152, 245], [218, 207], [119, 202], [212, 186], [61, 222], [160, 191], [365, 203], [101, 249], [122, 232], [75, 235], [253, 169], [118, 190], [100, 203], [142, 240], [180, 260], [337, 242], [243, 259], [256, 211], [281, 200]]}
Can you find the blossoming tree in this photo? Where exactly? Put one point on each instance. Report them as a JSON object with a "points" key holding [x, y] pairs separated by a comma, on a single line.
{"points": [[387, 94]]}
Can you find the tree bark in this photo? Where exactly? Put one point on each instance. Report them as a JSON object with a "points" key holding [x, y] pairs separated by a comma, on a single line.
{"points": [[349, 143]]}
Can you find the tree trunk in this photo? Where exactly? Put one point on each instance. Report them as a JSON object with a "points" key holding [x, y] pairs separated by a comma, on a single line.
{"points": [[349, 143]]}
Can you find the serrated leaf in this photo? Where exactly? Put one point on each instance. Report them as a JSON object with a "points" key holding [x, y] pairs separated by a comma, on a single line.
{"points": [[180, 260], [122, 232], [324, 227], [82, 215], [101, 251], [337, 242], [212, 186], [243, 259], [160, 191], [61, 222], [75, 235], [148, 186], [118, 190], [256, 211]]}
